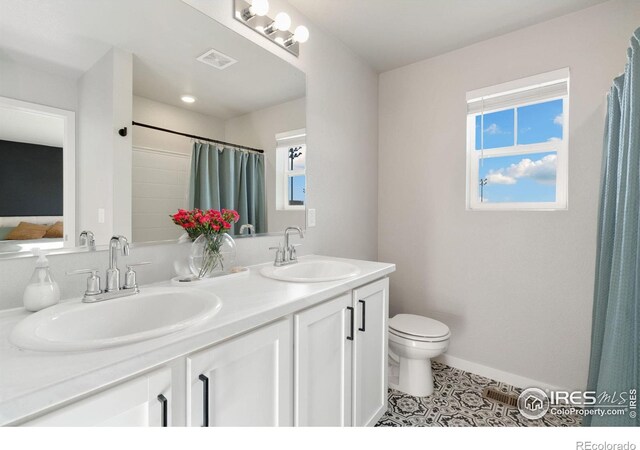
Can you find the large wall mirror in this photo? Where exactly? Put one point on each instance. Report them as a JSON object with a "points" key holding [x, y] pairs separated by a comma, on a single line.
{"points": [[112, 119]]}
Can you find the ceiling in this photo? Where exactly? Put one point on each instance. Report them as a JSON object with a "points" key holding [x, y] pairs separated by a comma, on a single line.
{"points": [[66, 37], [393, 33]]}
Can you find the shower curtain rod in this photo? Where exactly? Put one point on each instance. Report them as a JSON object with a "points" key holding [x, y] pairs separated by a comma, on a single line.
{"points": [[192, 136]]}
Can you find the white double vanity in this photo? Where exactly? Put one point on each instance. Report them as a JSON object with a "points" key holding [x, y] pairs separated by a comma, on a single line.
{"points": [[247, 351]]}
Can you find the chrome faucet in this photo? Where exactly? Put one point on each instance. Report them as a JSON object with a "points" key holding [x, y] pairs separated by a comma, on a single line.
{"points": [[88, 239], [113, 289], [287, 255], [113, 273], [251, 230]]}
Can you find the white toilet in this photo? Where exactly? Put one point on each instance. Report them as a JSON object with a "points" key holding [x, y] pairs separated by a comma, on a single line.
{"points": [[413, 341]]}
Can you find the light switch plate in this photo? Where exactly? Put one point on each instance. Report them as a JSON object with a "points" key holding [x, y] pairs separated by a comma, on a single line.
{"points": [[100, 215], [311, 218]]}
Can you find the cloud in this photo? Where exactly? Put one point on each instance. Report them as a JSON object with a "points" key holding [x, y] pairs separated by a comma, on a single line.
{"points": [[554, 139], [493, 129], [543, 171], [499, 177], [559, 119]]}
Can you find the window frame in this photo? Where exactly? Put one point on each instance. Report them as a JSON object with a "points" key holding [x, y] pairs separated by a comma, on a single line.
{"points": [[286, 141], [560, 147]]}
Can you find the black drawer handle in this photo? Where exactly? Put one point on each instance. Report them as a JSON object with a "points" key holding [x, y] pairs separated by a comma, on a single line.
{"points": [[350, 337], [364, 313], [165, 411], [205, 400]]}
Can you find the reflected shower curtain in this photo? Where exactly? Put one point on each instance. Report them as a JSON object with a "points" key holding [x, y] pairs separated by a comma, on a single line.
{"points": [[615, 338], [229, 178]]}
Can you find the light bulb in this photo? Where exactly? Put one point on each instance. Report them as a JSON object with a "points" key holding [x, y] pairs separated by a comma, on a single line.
{"points": [[188, 98], [259, 7], [301, 34], [283, 21]]}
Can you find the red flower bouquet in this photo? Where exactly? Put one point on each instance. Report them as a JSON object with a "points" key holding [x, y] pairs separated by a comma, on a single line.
{"points": [[208, 226]]}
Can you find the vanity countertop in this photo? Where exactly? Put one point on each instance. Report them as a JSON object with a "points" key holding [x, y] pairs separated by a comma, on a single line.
{"points": [[32, 381]]}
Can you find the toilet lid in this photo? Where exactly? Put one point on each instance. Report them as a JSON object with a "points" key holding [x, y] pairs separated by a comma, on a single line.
{"points": [[419, 326]]}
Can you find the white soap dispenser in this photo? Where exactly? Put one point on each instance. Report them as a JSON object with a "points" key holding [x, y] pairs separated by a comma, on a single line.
{"points": [[42, 291]]}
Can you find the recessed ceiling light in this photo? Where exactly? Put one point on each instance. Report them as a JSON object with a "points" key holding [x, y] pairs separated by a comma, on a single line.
{"points": [[188, 98]]}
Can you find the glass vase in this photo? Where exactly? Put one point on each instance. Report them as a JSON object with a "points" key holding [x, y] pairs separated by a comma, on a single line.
{"points": [[212, 255]]}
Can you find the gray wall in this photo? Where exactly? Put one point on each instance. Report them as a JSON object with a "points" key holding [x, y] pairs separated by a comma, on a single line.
{"points": [[514, 287]]}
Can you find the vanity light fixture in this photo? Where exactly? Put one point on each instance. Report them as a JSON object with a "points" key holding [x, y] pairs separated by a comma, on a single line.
{"points": [[188, 98], [254, 14], [257, 8], [282, 22]]}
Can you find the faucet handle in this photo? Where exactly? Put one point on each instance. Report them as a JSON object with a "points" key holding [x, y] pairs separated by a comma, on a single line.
{"points": [[130, 275], [93, 282], [279, 253], [143, 263], [292, 251]]}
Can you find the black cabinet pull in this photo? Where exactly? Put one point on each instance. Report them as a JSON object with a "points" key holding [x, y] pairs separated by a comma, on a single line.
{"points": [[364, 313], [205, 400], [350, 337], [165, 412]]}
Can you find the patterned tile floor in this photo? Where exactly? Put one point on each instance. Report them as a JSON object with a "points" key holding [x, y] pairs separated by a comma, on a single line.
{"points": [[457, 402]]}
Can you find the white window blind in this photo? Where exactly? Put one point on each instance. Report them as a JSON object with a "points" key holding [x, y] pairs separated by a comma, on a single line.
{"points": [[291, 138], [526, 90]]}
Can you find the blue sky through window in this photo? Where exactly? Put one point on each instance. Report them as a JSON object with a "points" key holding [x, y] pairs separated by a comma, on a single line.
{"points": [[540, 122], [519, 178], [498, 130], [299, 187]]}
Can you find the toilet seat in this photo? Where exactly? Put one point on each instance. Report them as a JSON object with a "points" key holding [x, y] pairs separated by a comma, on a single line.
{"points": [[418, 328]]}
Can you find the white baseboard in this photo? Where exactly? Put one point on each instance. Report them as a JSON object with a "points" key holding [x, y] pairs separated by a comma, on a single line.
{"points": [[495, 374]]}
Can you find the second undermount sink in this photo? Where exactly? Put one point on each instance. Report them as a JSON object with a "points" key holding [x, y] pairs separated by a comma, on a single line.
{"points": [[155, 312], [312, 271]]}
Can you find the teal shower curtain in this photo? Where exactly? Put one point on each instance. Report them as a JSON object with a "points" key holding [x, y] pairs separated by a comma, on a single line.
{"points": [[615, 338], [229, 178]]}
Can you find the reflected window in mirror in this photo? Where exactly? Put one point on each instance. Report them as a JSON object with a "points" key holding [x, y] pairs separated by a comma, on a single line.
{"points": [[291, 187]]}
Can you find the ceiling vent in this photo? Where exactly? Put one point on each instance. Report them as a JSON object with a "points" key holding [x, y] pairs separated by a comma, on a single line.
{"points": [[216, 59]]}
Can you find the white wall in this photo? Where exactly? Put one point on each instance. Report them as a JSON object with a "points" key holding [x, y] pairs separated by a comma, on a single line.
{"points": [[30, 85], [514, 287], [258, 129], [104, 157], [161, 165], [162, 115]]}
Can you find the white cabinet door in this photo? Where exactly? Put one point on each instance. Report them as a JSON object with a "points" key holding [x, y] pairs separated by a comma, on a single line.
{"points": [[144, 401], [323, 352], [245, 381], [370, 353]]}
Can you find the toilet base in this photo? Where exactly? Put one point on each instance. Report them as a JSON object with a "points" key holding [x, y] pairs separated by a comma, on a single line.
{"points": [[415, 377]]}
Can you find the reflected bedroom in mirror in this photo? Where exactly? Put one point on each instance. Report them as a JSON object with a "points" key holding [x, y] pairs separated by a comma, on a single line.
{"points": [[135, 120]]}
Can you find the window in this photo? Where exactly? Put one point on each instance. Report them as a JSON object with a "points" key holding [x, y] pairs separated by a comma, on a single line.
{"points": [[291, 180], [517, 144]]}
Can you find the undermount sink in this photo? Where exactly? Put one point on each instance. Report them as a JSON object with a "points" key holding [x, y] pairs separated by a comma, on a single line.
{"points": [[311, 271], [81, 326]]}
